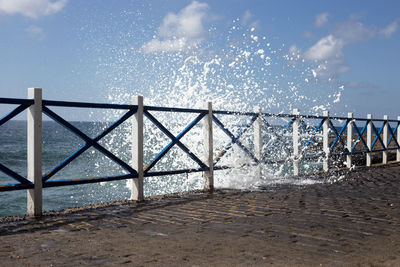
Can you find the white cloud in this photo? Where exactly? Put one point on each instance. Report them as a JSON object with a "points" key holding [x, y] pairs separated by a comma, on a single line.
{"points": [[156, 45], [321, 19], [35, 32], [328, 51], [326, 48], [390, 29], [331, 68], [180, 31], [354, 31], [31, 8]]}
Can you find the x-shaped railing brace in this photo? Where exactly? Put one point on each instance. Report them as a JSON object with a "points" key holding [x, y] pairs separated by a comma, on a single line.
{"points": [[277, 136], [234, 139], [378, 135], [392, 135], [89, 143], [338, 136], [175, 140], [359, 137], [3, 168], [314, 133]]}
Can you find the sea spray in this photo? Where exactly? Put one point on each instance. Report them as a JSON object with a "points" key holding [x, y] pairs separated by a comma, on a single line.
{"points": [[236, 68], [248, 70]]}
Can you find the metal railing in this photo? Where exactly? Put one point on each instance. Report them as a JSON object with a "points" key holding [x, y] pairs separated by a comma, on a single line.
{"points": [[295, 138]]}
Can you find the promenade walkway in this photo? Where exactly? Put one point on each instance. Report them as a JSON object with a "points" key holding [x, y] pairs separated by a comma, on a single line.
{"points": [[351, 222]]}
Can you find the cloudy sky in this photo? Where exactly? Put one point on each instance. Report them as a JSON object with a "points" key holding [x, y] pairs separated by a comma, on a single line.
{"points": [[60, 45]]}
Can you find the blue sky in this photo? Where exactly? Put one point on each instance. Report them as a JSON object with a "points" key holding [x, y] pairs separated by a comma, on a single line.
{"points": [[78, 50]]}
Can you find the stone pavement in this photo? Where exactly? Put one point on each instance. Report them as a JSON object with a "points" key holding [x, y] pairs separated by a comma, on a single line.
{"points": [[351, 222]]}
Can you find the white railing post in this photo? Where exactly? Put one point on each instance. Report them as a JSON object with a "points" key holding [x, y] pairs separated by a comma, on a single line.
{"points": [[398, 139], [325, 141], [385, 139], [296, 142], [258, 142], [369, 139], [350, 116], [137, 150], [208, 148], [34, 152]]}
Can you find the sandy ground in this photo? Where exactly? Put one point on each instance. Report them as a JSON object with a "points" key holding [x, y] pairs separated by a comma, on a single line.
{"points": [[352, 222]]}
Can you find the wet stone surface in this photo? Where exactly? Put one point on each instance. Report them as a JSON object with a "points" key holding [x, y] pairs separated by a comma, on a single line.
{"points": [[355, 221]]}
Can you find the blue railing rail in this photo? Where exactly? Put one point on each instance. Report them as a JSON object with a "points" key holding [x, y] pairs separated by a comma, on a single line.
{"points": [[301, 137]]}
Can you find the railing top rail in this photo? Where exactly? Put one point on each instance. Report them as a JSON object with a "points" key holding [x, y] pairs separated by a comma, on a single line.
{"points": [[20, 101], [323, 117], [172, 109], [87, 105], [227, 112], [383, 120], [283, 115]]}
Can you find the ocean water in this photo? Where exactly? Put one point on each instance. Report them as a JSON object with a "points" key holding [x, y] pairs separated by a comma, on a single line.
{"points": [[58, 143]]}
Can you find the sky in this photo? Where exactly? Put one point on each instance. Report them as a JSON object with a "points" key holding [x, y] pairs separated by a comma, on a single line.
{"points": [[347, 52]]}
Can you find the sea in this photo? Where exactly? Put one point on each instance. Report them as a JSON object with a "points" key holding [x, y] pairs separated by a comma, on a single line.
{"points": [[58, 143]]}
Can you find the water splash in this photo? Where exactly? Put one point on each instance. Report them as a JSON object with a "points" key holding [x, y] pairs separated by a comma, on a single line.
{"points": [[237, 70]]}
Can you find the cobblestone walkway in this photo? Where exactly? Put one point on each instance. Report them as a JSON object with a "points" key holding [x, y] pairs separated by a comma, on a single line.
{"points": [[355, 221]]}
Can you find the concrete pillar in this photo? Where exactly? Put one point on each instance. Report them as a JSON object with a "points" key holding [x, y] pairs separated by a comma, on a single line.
{"points": [[34, 152], [258, 141], [208, 148], [296, 142], [137, 150], [350, 117], [325, 141], [385, 140], [369, 139]]}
